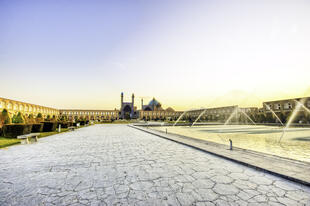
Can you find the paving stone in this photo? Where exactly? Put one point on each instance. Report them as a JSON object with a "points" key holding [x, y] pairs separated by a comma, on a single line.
{"points": [[222, 179], [185, 198], [207, 195], [118, 165], [261, 180], [203, 184], [224, 189]]}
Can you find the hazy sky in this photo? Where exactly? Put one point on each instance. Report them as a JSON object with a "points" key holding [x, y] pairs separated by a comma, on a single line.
{"points": [[187, 54]]}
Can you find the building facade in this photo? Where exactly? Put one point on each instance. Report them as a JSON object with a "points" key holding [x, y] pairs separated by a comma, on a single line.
{"points": [[78, 114], [13, 107], [286, 105], [154, 111], [128, 109]]}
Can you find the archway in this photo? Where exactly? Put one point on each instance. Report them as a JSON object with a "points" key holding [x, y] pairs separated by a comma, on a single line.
{"points": [[127, 111], [147, 109]]}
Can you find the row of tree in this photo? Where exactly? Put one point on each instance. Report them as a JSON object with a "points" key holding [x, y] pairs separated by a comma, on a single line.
{"points": [[20, 118]]}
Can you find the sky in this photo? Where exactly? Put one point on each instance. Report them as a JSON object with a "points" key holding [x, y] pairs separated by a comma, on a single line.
{"points": [[187, 54]]}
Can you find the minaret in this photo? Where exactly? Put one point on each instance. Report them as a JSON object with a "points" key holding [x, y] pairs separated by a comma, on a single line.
{"points": [[122, 100], [141, 104], [132, 104]]}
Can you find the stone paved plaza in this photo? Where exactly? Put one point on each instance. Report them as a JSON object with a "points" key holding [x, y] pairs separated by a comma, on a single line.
{"points": [[119, 165]]}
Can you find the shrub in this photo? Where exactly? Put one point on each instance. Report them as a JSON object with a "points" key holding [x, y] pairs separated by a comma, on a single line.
{"points": [[270, 118], [49, 126], [48, 118], [37, 127], [82, 122], [30, 119], [14, 130], [17, 118], [63, 118], [63, 124], [39, 118], [5, 116]]}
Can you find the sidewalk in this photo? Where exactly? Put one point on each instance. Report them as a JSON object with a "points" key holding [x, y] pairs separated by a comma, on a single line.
{"points": [[296, 171]]}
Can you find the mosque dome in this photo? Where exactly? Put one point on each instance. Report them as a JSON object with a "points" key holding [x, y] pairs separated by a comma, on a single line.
{"points": [[154, 103], [169, 109]]}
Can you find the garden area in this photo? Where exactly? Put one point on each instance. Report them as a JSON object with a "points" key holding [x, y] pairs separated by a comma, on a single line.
{"points": [[19, 124]]}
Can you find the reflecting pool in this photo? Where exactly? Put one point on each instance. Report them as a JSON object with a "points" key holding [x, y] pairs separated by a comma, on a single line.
{"points": [[295, 143]]}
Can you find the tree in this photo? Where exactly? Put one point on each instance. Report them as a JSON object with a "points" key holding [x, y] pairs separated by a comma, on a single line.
{"points": [[30, 119], [283, 117], [39, 118], [17, 118], [270, 118], [5, 116], [63, 118], [261, 118]]}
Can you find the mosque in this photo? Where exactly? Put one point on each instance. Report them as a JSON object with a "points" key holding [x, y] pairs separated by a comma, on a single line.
{"points": [[151, 111]]}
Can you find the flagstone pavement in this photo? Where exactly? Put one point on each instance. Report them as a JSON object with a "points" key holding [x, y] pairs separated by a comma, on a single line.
{"points": [[119, 165]]}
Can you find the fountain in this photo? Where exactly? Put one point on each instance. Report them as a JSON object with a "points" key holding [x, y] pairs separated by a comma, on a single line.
{"points": [[274, 113], [180, 117], [232, 115], [303, 106], [200, 115], [292, 117], [226, 122], [235, 112], [247, 116]]}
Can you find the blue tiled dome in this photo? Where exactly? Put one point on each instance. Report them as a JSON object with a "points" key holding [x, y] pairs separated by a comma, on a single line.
{"points": [[154, 103]]}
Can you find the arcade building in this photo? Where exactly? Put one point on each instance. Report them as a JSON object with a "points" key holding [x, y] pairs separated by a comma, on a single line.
{"points": [[155, 111], [151, 111]]}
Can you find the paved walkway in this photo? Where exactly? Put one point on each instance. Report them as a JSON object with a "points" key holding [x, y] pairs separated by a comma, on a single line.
{"points": [[289, 169], [119, 165]]}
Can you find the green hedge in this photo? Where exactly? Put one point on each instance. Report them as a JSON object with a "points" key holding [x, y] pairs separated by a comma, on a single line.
{"points": [[82, 122], [14, 130], [37, 128], [49, 126], [63, 124]]}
